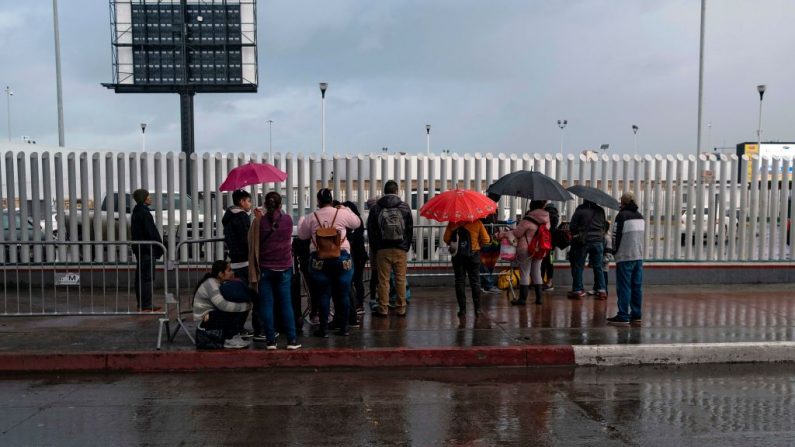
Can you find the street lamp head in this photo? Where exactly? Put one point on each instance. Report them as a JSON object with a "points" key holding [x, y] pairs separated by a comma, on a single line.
{"points": [[562, 123], [323, 87], [761, 89], [635, 128], [428, 128], [143, 127]]}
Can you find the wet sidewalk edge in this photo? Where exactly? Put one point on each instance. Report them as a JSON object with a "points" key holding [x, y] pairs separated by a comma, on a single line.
{"points": [[491, 356]]}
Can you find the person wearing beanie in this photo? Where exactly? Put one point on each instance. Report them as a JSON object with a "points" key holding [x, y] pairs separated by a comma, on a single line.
{"points": [[143, 228], [628, 246]]}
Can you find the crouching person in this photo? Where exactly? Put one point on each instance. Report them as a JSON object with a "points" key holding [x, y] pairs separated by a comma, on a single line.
{"points": [[212, 311]]}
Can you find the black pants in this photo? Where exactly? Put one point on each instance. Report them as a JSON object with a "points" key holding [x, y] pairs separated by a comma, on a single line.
{"points": [[229, 322], [144, 279], [547, 269], [463, 267], [358, 281]]}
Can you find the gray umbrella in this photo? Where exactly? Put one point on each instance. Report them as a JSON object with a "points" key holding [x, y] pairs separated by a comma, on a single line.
{"points": [[530, 185], [594, 195]]}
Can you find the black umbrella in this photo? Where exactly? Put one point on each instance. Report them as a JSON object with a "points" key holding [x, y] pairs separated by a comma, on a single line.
{"points": [[530, 185], [594, 195]]}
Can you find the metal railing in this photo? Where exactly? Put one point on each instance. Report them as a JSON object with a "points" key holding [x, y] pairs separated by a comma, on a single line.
{"points": [[34, 286]]}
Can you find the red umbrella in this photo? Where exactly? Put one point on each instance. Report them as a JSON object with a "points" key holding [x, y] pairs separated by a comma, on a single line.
{"points": [[458, 205], [252, 174]]}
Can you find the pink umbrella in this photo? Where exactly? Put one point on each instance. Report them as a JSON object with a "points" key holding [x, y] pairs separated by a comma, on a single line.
{"points": [[252, 174]]}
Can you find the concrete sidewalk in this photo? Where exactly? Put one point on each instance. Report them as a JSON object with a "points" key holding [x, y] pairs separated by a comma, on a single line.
{"points": [[681, 325]]}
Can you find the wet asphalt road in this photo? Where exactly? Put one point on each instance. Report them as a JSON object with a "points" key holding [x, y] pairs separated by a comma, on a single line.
{"points": [[728, 405]]}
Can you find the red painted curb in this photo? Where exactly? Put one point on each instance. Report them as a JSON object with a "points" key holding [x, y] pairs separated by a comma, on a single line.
{"points": [[146, 361]]}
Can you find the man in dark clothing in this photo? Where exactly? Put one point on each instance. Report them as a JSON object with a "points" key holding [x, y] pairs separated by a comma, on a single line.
{"points": [[588, 225], [390, 228], [236, 223], [143, 228]]}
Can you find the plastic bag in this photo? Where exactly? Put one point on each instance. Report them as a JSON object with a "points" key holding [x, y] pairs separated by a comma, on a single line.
{"points": [[507, 250], [507, 278]]}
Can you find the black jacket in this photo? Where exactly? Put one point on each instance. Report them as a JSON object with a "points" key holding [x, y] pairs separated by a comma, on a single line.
{"points": [[589, 218], [236, 224], [143, 228], [554, 215], [374, 229]]}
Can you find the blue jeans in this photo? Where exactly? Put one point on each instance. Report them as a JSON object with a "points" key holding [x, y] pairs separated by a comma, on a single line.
{"points": [[332, 277], [629, 288], [256, 318], [595, 250], [486, 277], [274, 284]]}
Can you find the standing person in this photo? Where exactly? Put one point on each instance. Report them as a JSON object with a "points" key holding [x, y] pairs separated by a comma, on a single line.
{"points": [[271, 261], [331, 267], [466, 262], [628, 238], [212, 311], [587, 230], [359, 255], [529, 267], [390, 228], [488, 262], [547, 267], [372, 253], [143, 228], [236, 222]]}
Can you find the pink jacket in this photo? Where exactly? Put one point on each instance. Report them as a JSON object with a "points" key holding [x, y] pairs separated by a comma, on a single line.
{"points": [[525, 230], [345, 219]]}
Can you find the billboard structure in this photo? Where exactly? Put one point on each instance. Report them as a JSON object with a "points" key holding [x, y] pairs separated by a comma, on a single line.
{"points": [[184, 47], [767, 150]]}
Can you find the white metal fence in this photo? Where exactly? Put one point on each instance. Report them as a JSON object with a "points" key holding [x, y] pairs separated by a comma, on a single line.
{"points": [[697, 209]]}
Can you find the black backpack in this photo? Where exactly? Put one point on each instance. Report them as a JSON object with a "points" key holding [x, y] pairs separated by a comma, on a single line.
{"points": [[461, 243]]}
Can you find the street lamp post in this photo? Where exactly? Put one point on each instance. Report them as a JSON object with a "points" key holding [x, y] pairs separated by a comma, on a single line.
{"points": [[9, 94], [143, 137], [58, 84], [323, 88], [761, 89], [270, 139], [562, 124], [428, 138], [709, 135], [635, 139]]}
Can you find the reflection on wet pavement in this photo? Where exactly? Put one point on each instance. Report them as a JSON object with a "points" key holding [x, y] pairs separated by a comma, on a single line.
{"points": [[723, 405], [671, 314]]}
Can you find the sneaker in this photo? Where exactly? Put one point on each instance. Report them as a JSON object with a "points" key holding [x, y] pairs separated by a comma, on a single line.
{"points": [[592, 292], [615, 321], [575, 295], [293, 345], [271, 347], [355, 324], [236, 343], [635, 320], [601, 295], [379, 314], [260, 337], [360, 310], [547, 288], [245, 333]]}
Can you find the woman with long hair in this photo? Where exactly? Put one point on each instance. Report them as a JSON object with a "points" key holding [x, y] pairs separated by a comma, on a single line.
{"points": [[272, 260], [212, 311]]}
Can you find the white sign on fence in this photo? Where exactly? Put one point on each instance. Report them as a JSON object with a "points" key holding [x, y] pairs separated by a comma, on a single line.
{"points": [[67, 279]]}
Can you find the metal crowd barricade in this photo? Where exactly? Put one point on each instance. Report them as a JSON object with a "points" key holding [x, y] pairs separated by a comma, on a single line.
{"points": [[201, 253], [35, 286]]}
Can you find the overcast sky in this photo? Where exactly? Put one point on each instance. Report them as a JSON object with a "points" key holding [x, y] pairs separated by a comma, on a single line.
{"points": [[488, 76]]}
